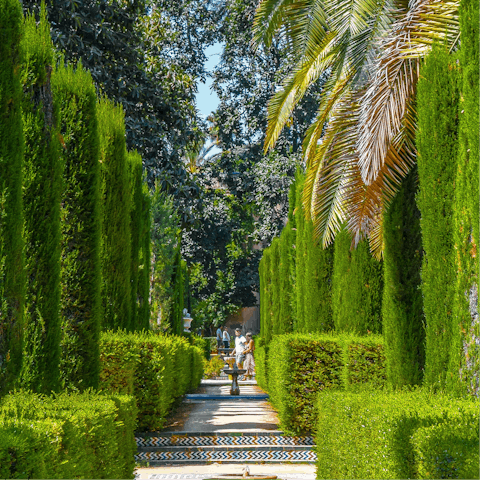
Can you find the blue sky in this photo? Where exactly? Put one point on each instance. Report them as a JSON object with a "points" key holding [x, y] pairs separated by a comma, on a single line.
{"points": [[207, 100]]}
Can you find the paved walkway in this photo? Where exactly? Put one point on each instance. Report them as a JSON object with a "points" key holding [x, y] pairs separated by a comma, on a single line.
{"points": [[221, 416]]}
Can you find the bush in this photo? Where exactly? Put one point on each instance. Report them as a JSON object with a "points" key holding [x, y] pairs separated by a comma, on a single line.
{"points": [[369, 434], [261, 356], [203, 343], [213, 367], [155, 369], [448, 450], [84, 435], [298, 367]]}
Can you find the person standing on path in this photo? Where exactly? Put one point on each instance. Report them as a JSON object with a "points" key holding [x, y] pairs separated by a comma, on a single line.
{"points": [[249, 364], [219, 338], [240, 341], [226, 337]]}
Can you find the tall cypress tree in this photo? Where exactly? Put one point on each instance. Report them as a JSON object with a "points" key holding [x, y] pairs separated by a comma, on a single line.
{"points": [[134, 161], [143, 285], [465, 350], [357, 287], [402, 306], [437, 131], [275, 286], [318, 283], [300, 254], [12, 279], [292, 206], [75, 96], [286, 287], [42, 189], [267, 319], [116, 198]]}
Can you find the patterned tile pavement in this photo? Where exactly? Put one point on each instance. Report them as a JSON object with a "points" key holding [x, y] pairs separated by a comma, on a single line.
{"points": [[227, 456]]}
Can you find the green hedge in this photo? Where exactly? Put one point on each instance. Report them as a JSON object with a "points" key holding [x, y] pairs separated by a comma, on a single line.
{"points": [[155, 369], [298, 366], [80, 301], [261, 355], [42, 188], [12, 279], [377, 434], [448, 450], [84, 435]]}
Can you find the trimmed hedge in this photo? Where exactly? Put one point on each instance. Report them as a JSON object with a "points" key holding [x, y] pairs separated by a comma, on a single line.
{"points": [[377, 434], [155, 369], [298, 366], [12, 278], [261, 355], [42, 188], [84, 435]]}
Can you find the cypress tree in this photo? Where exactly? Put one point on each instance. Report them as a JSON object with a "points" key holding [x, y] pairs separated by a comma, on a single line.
{"points": [[267, 319], [143, 286], [275, 286], [116, 238], [176, 314], [357, 287], [465, 351], [402, 306], [12, 279], [286, 287], [261, 276], [134, 162], [437, 129], [292, 206], [80, 305], [300, 254], [42, 189], [318, 283]]}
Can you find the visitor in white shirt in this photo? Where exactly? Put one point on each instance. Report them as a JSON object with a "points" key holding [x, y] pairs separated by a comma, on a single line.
{"points": [[240, 341]]}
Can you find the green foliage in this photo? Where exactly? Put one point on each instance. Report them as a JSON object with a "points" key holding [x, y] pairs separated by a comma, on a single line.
{"points": [[357, 287], [86, 435], [213, 367], [448, 450], [368, 434], [296, 367], [80, 312], [178, 278], [437, 133], [317, 283], [266, 325], [300, 254], [286, 288], [116, 235], [261, 356], [140, 258], [165, 235], [155, 369], [402, 312], [12, 279], [42, 187], [465, 351], [203, 343], [275, 286]]}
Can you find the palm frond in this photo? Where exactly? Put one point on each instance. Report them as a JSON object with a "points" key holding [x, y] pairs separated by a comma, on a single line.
{"points": [[393, 83]]}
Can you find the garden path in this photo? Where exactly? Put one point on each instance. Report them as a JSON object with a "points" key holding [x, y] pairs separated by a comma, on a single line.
{"points": [[210, 436]]}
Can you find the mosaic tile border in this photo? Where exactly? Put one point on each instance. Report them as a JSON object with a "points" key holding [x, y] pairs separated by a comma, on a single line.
{"points": [[300, 456], [222, 440]]}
